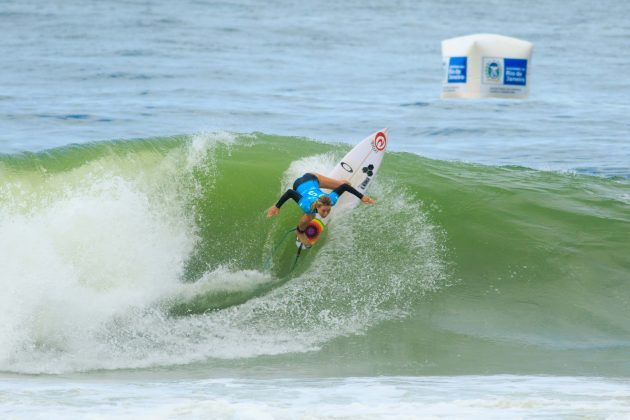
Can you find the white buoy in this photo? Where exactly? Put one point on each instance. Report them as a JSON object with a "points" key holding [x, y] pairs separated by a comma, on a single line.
{"points": [[486, 66]]}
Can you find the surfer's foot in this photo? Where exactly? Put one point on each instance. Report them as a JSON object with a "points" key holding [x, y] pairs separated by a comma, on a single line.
{"points": [[303, 239], [298, 243]]}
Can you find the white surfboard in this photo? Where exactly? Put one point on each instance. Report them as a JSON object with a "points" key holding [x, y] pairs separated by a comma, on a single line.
{"points": [[359, 166]]}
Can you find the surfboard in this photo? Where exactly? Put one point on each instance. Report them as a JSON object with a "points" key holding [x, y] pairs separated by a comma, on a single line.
{"points": [[359, 166]]}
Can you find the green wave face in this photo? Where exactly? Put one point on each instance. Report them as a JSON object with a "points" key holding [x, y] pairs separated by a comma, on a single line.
{"points": [[131, 254]]}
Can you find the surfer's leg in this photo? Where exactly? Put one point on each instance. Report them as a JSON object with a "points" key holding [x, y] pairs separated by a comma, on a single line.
{"points": [[301, 227], [304, 221], [330, 183], [304, 178]]}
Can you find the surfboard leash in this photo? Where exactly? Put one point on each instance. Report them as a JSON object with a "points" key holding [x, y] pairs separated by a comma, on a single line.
{"points": [[274, 250]]}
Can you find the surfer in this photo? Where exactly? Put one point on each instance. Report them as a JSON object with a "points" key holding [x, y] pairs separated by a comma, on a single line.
{"points": [[312, 200]]}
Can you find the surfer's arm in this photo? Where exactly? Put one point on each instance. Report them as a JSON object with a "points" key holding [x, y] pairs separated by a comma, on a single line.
{"points": [[289, 194], [349, 188]]}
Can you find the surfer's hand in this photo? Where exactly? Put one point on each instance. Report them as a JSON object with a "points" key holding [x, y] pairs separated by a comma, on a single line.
{"points": [[273, 211], [367, 200]]}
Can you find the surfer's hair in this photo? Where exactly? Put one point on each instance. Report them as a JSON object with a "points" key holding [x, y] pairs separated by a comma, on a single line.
{"points": [[324, 200]]}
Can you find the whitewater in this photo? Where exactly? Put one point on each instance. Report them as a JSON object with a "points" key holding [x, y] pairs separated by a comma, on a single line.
{"points": [[142, 143]]}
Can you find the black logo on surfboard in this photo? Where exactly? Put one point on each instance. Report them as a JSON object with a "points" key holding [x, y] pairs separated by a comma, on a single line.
{"points": [[369, 171], [347, 167]]}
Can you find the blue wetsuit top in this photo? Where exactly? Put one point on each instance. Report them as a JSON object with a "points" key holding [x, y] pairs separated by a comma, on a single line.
{"points": [[310, 193]]}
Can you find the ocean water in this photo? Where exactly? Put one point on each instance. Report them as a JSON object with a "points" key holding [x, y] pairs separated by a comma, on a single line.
{"points": [[142, 142]]}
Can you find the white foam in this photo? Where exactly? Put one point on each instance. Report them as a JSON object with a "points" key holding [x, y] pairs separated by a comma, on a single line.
{"points": [[322, 163], [224, 279], [323, 398], [200, 153], [80, 260]]}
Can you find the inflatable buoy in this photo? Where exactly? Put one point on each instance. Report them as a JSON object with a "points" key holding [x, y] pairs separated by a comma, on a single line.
{"points": [[486, 66]]}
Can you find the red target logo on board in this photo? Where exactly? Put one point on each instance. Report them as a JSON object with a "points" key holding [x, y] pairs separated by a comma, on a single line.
{"points": [[380, 142]]}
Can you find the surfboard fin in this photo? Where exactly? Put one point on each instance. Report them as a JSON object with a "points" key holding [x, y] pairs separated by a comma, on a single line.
{"points": [[297, 256]]}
